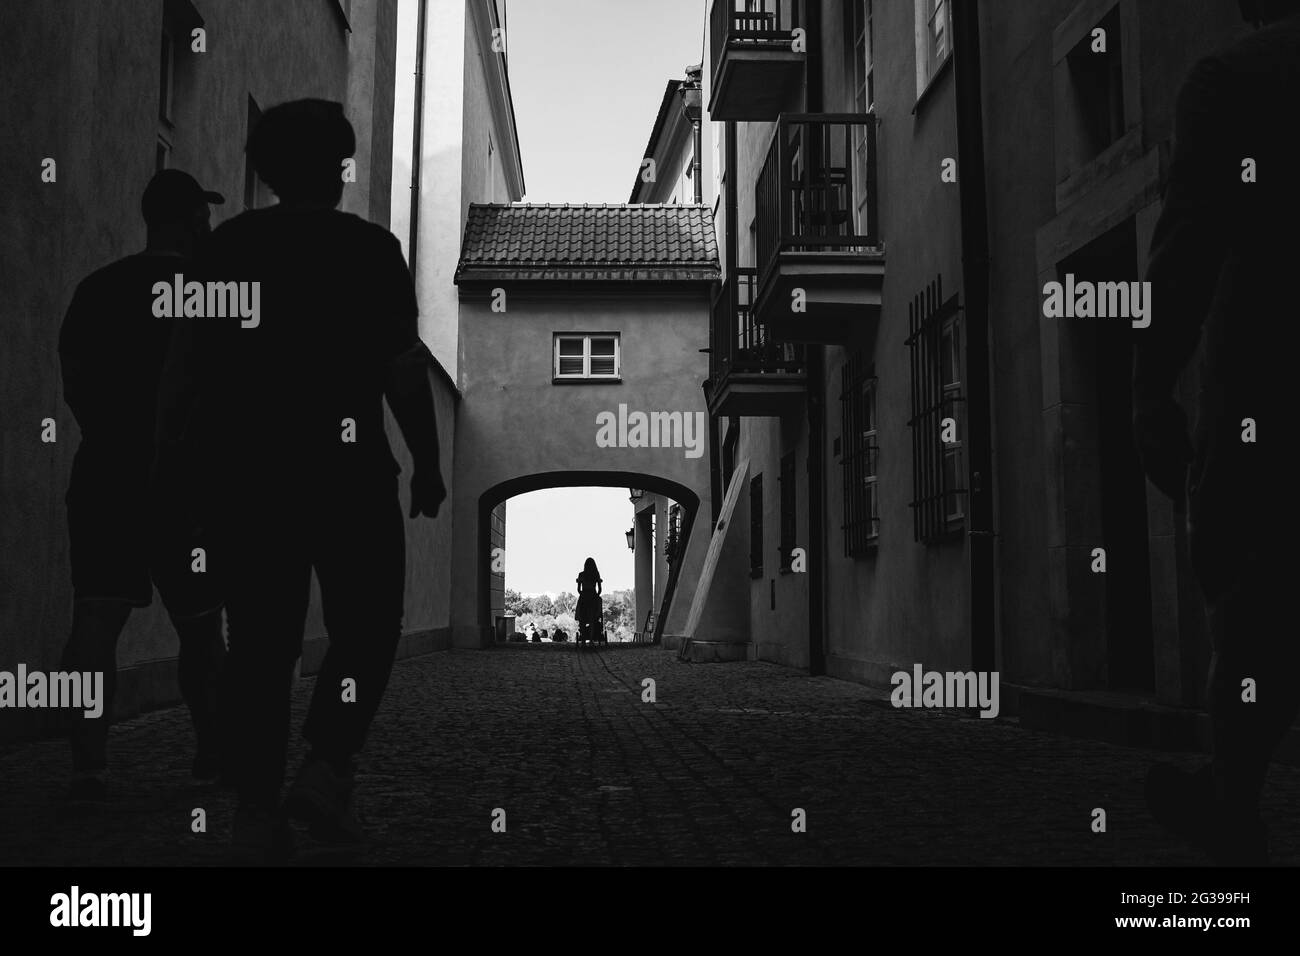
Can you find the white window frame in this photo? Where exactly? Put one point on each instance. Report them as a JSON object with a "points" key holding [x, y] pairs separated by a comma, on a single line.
{"points": [[587, 374], [863, 102], [863, 57], [929, 58]]}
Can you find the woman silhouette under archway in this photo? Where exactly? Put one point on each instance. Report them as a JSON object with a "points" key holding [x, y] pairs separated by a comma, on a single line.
{"points": [[589, 604]]}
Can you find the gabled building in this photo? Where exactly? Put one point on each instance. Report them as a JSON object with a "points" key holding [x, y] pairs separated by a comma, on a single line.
{"points": [[581, 333], [677, 165]]}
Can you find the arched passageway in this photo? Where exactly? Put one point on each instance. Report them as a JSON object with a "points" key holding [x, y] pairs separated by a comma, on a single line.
{"points": [[490, 499]]}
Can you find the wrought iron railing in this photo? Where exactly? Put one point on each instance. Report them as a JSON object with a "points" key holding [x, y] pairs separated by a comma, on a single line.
{"points": [[817, 188], [750, 24], [738, 344]]}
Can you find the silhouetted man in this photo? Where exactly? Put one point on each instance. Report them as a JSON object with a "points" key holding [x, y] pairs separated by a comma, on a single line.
{"points": [[112, 346], [288, 423], [1224, 256]]}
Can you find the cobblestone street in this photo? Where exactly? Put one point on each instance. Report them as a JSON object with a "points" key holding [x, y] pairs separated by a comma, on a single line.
{"points": [[589, 774]]}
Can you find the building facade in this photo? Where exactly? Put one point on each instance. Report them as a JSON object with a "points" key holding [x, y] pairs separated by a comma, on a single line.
{"points": [[925, 467], [581, 330]]}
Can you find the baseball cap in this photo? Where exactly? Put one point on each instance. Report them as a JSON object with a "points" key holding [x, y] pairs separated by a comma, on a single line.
{"points": [[173, 194]]}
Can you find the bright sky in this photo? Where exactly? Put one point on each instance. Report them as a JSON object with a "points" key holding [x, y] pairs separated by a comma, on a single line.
{"points": [[587, 78], [550, 533]]}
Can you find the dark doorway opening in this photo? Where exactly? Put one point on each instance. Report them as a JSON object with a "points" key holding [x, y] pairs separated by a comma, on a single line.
{"points": [[1104, 350]]}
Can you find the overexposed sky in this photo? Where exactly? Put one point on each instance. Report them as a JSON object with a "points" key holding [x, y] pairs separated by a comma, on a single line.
{"points": [[550, 533], [587, 78]]}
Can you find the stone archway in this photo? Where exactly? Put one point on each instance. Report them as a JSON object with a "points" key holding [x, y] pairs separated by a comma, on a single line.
{"points": [[522, 484]]}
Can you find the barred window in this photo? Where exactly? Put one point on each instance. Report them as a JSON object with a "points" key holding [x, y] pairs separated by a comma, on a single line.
{"points": [[950, 377], [672, 547], [858, 464], [937, 473], [788, 503], [756, 526]]}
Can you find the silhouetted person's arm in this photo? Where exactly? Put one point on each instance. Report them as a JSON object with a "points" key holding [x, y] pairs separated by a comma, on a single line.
{"points": [[409, 390], [408, 383], [1188, 249], [83, 375]]}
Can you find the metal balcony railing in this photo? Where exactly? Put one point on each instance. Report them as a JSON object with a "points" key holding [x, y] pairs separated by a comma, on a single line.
{"points": [[817, 189], [738, 344], [750, 24]]}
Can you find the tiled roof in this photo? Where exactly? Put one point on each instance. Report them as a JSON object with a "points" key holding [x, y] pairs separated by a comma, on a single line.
{"points": [[567, 242]]}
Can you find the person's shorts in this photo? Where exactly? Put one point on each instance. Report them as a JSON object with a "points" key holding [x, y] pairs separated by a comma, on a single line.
{"points": [[122, 544]]}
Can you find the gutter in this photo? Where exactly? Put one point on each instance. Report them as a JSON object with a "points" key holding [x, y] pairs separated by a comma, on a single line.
{"points": [[816, 360], [975, 282], [417, 144]]}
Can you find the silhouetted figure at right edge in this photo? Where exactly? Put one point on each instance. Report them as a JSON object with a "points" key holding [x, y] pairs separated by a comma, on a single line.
{"points": [[589, 605], [1226, 255], [288, 417]]}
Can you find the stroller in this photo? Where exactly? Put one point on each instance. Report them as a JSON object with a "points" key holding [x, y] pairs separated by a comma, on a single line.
{"points": [[590, 617]]}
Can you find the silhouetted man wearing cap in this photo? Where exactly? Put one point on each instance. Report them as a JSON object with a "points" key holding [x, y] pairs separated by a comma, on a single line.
{"points": [[1224, 258], [288, 419], [112, 348]]}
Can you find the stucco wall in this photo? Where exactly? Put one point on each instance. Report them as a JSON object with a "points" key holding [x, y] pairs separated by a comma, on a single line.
{"points": [[1020, 120], [908, 602], [514, 422], [481, 180]]}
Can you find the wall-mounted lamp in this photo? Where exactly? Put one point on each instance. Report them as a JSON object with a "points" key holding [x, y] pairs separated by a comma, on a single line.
{"points": [[635, 494], [631, 539]]}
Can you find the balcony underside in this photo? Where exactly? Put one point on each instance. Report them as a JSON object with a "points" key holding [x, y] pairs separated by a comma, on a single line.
{"points": [[842, 297], [754, 84], [758, 395]]}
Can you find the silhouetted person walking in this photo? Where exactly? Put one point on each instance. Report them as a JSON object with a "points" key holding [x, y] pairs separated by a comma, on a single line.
{"points": [[112, 347], [288, 420], [589, 605], [1224, 256]]}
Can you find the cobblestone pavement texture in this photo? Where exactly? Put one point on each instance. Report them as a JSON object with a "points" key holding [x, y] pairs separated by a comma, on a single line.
{"points": [[588, 773]]}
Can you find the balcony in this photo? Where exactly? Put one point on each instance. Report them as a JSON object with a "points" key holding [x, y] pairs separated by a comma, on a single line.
{"points": [[756, 72], [820, 267], [749, 374]]}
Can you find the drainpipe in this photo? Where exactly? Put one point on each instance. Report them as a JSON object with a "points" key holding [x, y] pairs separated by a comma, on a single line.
{"points": [[816, 362], [417, 145], [975, 280], [730, 206], [695, 167], [691, 101]]}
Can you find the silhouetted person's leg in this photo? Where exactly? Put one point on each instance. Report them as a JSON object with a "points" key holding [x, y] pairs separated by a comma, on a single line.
{"points": [[201, 666], [361, 565], [266, 606], [92, 647], [192, 597], [1252, 642]]}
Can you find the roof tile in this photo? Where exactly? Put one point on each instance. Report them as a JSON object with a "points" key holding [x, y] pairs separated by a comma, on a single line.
{"points": [[586, 239]]}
